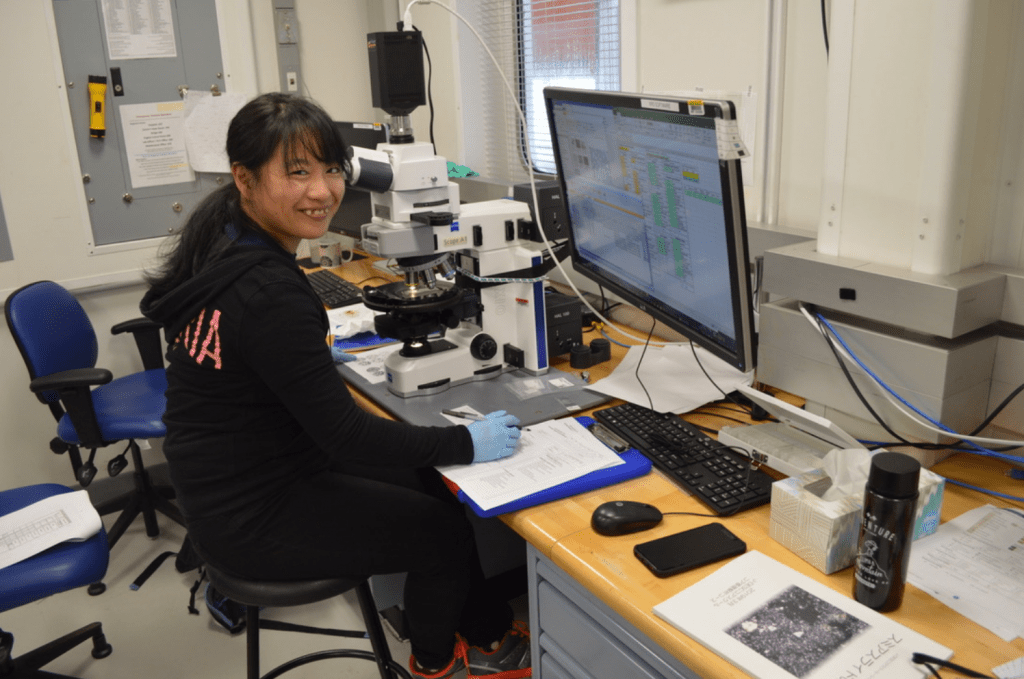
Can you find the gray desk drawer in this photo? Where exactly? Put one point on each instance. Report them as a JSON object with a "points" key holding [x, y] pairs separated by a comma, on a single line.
{"points": [[569, 633], [550, 669], [576, 635]]}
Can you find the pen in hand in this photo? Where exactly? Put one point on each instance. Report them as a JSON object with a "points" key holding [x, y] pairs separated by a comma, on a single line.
{"points": [[470, 416], [464, 415]]}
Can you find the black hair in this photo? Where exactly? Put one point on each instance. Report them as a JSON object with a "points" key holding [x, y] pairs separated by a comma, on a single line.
{"points": [[261, 126]]}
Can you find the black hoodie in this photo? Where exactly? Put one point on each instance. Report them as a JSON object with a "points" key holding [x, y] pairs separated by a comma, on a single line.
{"points": [[254, 399]]}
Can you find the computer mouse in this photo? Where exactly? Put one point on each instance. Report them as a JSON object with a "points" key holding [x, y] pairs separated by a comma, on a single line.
{"points": [[621, 517]]}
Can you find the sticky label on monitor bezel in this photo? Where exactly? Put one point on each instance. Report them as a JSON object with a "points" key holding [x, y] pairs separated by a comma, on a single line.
{"points": [[660, 105]]}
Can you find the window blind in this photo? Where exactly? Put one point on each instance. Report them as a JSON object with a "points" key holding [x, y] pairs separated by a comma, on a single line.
{"points": [[570, 43]]}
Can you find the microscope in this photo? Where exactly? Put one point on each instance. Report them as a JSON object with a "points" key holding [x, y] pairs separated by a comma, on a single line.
{"points": [[472, 301]]}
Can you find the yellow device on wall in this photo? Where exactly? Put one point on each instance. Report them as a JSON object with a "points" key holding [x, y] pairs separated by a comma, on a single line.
{"points": [[97, 106]]}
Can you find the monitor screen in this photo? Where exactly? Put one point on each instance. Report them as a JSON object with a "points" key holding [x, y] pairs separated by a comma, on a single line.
{"points": [[655, 210], [356, 208]]}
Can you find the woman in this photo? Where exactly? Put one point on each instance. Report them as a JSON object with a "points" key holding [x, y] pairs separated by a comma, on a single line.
{"points": [[278, 472]]}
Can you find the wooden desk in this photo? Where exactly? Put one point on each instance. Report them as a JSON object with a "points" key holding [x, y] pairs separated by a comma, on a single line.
{"points": [[563, 544]]}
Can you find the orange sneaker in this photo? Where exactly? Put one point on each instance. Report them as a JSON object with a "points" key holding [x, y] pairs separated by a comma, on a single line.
{"points": [[457, 664], [510, 660]]}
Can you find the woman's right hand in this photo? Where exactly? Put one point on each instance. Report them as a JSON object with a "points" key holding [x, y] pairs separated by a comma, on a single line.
{"points": [[495, 436]]}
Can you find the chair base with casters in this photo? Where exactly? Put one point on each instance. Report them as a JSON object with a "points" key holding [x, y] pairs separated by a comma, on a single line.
{"points": [[30, 664], [146, 499], [255, 594], [66, 566]]}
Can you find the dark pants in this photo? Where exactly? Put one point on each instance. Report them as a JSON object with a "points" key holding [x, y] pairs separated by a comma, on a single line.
{"points": [[371, 521]]}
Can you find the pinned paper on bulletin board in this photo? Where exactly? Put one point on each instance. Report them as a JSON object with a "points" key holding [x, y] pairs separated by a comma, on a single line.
{"points": [[206, 128], [139, 29], [154, 141]]}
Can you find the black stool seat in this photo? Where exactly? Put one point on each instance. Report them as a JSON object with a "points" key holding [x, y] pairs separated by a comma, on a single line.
{"points": [[280, 593], [256, 594]]}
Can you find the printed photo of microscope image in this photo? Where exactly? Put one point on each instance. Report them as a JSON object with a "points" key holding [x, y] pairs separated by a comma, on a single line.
{"points": [[797, 631]]}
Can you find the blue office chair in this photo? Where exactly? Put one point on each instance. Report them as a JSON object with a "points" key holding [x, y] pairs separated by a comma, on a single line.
{"points": [[92, 409], [58, 569]]}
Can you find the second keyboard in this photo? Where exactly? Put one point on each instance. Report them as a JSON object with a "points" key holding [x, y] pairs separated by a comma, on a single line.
{"points": [[333, 290], [721, 479]]}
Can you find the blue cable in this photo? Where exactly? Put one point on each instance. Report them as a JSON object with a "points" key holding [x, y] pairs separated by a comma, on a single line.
{"points": [[986, 491], [876, 378], [611, 340]]}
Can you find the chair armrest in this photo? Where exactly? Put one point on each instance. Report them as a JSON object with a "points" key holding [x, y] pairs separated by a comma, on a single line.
{"points": [[71, 379], [147, 339], [73, 388]]}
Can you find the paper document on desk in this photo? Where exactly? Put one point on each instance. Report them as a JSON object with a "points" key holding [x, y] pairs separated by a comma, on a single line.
{"points": [[975, 565], [351, 320], [370, 364], [51, 521], [549, 454], [776, 623], [672, 377]]}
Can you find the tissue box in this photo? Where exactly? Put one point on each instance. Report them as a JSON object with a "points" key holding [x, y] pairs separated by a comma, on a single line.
{"points": [[824, 533]]}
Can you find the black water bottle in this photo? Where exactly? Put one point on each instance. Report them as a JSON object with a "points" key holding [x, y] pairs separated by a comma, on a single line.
{"points": [[886, 531]]}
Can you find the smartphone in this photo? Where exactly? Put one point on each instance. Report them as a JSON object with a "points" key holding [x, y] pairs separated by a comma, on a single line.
{"points": [[692, 548]]}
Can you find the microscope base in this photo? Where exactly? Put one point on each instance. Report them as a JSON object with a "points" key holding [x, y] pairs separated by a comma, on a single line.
{"points": [[434, 373]]}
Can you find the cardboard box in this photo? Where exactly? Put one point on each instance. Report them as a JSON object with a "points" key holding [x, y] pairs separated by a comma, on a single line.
{"points": [[824, 533]]}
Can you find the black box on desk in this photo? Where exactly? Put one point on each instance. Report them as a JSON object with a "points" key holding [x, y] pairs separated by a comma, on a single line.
{"points": [[565, 322], [552, 210]]}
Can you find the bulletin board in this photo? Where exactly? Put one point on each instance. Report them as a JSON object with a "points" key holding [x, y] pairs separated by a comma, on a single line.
{"points": [[137, 179]]}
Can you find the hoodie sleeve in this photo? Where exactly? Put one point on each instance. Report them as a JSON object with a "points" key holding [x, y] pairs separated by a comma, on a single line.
{"points": [[283, 340]]}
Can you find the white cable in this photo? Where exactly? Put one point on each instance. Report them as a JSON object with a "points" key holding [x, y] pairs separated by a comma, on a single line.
{"points": [[902, 408], [407, 18]]}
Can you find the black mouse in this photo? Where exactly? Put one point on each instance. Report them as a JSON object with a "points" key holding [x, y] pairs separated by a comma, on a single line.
{"points": [[622, 517]]}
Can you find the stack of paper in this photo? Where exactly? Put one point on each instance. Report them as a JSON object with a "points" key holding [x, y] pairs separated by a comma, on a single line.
{"points": [[670, 379], [549, 454], [59, 518], [975, 565]]}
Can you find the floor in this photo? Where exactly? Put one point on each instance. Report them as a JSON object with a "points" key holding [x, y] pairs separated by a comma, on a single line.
{"points": [[154, 636]]}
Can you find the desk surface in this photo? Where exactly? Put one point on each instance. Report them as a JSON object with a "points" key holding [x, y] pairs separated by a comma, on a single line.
{"points": [[606, 566]]}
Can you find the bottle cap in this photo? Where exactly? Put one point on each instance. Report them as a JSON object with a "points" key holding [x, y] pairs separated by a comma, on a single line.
{"points": [[894, 475]]}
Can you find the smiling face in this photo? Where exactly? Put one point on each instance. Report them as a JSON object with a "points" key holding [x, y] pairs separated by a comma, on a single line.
{"points": [[291, 197]]}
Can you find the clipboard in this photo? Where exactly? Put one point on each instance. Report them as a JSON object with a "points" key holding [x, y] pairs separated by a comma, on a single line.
{"points": [[635, 464]]}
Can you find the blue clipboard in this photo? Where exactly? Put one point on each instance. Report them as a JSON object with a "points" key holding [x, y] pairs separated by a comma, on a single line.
{"points": [[635, 465]]}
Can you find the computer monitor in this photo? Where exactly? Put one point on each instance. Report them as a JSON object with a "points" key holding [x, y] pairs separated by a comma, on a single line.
{"points": [[356, 208], [655, 210]]}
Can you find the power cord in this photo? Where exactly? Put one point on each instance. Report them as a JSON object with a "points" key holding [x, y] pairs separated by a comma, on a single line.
{"points": [[430, 88], [898, 401], [929, 662]]}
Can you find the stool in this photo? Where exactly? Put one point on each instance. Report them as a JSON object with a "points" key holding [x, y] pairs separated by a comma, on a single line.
{"points": [[254, 594]]}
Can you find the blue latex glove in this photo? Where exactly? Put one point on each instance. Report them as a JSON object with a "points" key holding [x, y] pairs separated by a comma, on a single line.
{"points": [[340, 356], [495, 436]]}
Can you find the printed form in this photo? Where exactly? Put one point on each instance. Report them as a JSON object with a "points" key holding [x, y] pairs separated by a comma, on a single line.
{"points": [[549, 454], [43, 524], [975, 565]]}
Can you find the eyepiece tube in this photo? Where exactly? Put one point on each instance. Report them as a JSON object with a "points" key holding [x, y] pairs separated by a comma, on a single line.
{"points": [[371, 169]]}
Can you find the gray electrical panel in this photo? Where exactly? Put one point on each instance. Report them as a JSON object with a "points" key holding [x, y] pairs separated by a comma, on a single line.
{"points": [[286, 28], [189, 56]]}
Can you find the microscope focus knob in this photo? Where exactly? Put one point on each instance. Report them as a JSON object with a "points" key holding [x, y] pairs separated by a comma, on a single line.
{"points": [[483, 347]]}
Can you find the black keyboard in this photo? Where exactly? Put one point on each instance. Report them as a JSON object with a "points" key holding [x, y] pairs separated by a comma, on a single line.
{"points": [[721, 479], [334, 291]]}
